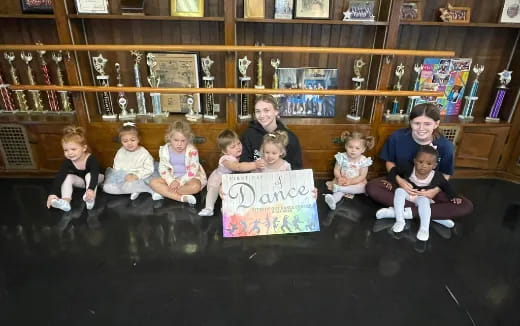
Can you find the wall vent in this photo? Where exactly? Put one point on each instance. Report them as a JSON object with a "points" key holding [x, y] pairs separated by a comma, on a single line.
{"points": [[15, 147]]}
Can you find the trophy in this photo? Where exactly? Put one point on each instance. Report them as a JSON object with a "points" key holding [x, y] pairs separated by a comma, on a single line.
{"points": [[99, 65], [191, 115], [122, 101], [259, 71], [141, 102], [35, 94], [275, 63], [505, 78], [467, 112], [51, 95], [208, 83], [418, 68], [355, 113], [7, 96], [20, 95], [396, 113], [154, 79], [244, 83], [64, 95]]}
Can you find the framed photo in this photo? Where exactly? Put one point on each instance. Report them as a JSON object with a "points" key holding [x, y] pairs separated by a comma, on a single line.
{"points": [[178, 70], [254, 8], [510, 12], [36, 6], [411, 10], [455, 14], [361, 10], [283, 9], [314, 9], [133, 7], [190, 8], [92, 6]]}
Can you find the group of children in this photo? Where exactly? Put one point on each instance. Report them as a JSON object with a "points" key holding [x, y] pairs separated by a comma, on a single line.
{"points": [[180, 174]]}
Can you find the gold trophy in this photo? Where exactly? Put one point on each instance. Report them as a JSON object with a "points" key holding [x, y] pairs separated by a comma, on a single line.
{"points": [[396, 113], [356, 110], [35, 94], [64, 95], [20, 95], [106, 100], [275, 63], [154, 79], [259, 67]]}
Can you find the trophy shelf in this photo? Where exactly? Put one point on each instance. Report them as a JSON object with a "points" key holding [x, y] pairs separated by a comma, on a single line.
{"points": [[140, 17], [440, 24], [310, 21], [27, 16]]}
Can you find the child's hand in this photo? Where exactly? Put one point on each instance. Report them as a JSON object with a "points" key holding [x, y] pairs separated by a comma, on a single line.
{"points": [[342, 181], [315, 193], [429, 193], [90, 195], [174, 186], [49, 199], [457, 201], [388, 185], [407, 186], [131, 177], [260, 163]]}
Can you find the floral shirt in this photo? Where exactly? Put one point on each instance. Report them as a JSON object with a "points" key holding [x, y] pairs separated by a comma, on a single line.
{"points": [[351, 169], [193, 167]]}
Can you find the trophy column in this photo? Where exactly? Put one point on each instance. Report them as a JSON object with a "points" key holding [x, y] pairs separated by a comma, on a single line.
{"points": [[396, 113], [208, 83], [505, 78], [20, 95], [154, 79], [471, 99], [412, 100], [64, 95], [244, 83], [192, 115], [35, 94], [355, 113], [122, 101], [103, 79], [259, 71], [7, 97], [141, 102], [51, 95]]}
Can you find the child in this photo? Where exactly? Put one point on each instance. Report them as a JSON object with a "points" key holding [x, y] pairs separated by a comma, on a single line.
{"points": [[80, 169], [421, 175], [133, 165], [179, 167], [350, 171], [273, 151], [231, 147]]}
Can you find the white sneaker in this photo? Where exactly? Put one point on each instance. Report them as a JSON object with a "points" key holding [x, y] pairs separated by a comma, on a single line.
{"points": [[329, 199], [389, 212], [206, 212], [398, 226], [89, 203], [190, 199], [60, 204], [423, 235], [447, 223], [156, 196], [134, 195]]}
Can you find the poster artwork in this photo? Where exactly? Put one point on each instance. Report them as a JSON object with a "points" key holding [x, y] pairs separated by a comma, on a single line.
{"points": [[268, 203]]}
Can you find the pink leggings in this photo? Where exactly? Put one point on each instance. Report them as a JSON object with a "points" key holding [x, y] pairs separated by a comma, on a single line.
{"points": [[73, 180], [442, 209]]}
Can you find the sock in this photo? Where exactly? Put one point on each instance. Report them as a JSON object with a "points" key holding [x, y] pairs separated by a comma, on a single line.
{"points": [[190, 199]]}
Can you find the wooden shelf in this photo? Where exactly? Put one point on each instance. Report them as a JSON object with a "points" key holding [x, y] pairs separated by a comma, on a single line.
{"points": [[27, 16], [218, 123], [140, 17], [37, 118], [451, 120], [311, 21], [443, 24]]}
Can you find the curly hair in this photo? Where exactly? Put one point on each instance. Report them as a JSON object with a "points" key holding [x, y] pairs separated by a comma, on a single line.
{"points": [[74, 134], [278, 138], [369, 141]]}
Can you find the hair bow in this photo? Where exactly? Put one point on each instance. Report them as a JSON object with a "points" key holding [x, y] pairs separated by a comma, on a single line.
{"points": [[271, 135], [434, 146], [129, 124]]}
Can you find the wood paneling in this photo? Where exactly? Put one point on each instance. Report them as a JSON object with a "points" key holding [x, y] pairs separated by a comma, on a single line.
{"points": [[481, 148]]}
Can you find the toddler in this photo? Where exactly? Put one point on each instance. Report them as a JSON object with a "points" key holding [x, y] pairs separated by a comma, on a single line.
{"points": [[273, 151]]}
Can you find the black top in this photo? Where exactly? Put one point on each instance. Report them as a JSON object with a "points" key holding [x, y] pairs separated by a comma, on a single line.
{"points": [[438, 180], [253, 138], [67, 167]]}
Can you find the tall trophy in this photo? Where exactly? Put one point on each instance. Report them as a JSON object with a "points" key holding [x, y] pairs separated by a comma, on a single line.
{"points": [[35, 94], [20, 95], [51, 95], [471, 99], [275, 63], [122, 101], [141, 102], [412, 100], [57, 57], [208, 83], [154, 79], [259, 68], [7, 96], [355, 113], [192, 115], [505, 78], [103, 79], [396, 113], [244, 83]]}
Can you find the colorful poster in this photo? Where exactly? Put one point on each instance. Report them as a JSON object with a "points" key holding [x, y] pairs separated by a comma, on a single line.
{"points": [[449, 76], [268, 203]]}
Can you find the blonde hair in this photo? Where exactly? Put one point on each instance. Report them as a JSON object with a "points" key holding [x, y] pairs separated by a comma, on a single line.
{"points": [[129, 127], [226, 138], [369, 141], [278, 138], [74, 134], [181, 127]]}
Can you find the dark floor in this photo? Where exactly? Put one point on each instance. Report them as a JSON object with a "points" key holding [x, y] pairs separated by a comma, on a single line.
{"points": [[140, 263]]}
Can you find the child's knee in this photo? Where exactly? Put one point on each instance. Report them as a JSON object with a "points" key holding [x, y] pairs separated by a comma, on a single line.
{"points": [[400, 191]]}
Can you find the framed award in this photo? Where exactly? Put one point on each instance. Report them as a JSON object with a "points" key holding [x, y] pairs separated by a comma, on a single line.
{"points": [[410, 11], [190, 8], [254, 9], [92, 6], [452, 14], [510, 12], [36, 6], [315, 9], [283, 9]]}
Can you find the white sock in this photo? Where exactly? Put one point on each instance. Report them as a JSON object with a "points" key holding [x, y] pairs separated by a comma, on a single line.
{"points": [[398, 226], [423, 234], [331, 202], [190, 199]]}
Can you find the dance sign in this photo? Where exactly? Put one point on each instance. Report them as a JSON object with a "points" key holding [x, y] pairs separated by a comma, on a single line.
{"points": [[268, 203]]}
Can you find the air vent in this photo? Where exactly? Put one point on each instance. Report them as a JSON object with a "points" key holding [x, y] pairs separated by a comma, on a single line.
{"points": [[15, 148], [452, 133]]}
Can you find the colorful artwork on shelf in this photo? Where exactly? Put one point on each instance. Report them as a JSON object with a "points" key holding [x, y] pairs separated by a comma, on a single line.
{"points": [[449, 76], [268, 203]]}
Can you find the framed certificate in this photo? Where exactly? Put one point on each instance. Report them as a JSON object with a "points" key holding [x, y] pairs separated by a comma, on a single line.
{"points": [[92, 6], [36, 6], [190, 8], [254, 9]]}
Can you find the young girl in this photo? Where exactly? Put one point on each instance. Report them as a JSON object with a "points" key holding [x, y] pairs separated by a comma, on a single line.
{"points": [[422, 176], [350, 171], [179, 167], [133, 165], [231, 147], [273, 151], [80, 169]]}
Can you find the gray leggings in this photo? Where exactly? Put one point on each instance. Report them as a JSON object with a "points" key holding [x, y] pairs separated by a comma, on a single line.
{"points": [[423, 206]]}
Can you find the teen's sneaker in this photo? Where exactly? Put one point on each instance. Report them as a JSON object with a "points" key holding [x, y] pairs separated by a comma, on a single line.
{"points": [[206, 212], [446, 223], [60, 204], [329, 199], [189, 199], [156, 196], [134, 195], [389, 212]]}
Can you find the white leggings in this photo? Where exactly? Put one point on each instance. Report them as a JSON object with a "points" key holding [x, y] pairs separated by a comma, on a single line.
{"points": [[73, 180], [423, 206], [127, 188], [352, 189]]}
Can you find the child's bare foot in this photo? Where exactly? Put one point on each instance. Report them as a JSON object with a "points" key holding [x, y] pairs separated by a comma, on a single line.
{"points": [[349, 196]]}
